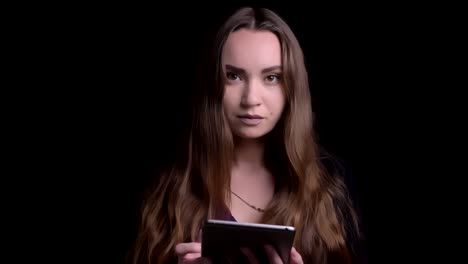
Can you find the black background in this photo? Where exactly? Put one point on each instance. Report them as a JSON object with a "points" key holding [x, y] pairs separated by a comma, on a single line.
{"points": [[116, 87]]}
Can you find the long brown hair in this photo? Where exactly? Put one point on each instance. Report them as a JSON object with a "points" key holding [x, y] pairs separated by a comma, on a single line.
{"points": [[306, 197]]}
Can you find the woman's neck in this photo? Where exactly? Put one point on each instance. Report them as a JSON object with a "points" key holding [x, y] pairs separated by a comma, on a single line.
{"points": [[249, 153], [251, 183]]}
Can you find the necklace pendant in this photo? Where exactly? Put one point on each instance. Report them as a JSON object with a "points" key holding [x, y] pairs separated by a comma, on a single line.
{"points": [[251, 206]]}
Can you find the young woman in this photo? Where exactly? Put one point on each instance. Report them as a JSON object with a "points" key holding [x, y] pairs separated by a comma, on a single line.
{"points": [[252, 155]]}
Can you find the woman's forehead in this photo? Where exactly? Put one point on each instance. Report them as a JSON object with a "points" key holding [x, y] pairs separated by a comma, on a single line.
{"points": [[252, 49]]}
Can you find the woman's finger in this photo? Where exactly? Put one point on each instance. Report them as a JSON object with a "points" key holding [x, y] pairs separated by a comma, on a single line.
{"points": [[185, 248], [250, 256], [195, 261], [190, 256], [273, 255], [295, 257]]}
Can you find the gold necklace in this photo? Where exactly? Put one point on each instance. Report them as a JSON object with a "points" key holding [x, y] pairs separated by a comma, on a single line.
{"points": [[255, 208]]}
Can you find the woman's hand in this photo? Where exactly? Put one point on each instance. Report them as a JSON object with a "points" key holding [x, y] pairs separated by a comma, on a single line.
{"points": [[190, 253], [273, 257], [294, 258]]}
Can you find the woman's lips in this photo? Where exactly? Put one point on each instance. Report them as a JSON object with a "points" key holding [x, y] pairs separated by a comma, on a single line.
{"points": [[250, 120]]}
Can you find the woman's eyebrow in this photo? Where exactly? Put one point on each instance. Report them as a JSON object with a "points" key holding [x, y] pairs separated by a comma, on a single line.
{"points": [[242, 71], [235, 69], [272, 68]]}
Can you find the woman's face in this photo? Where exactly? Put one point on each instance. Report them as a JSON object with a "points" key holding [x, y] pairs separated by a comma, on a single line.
{"points": [[254, 98]]}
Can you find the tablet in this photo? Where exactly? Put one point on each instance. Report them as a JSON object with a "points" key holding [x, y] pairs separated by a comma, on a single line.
{"points": [[221, 237]]}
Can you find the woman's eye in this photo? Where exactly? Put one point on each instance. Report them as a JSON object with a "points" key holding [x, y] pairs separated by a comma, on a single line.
{"points": [[272, 78], [232, 76]]}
